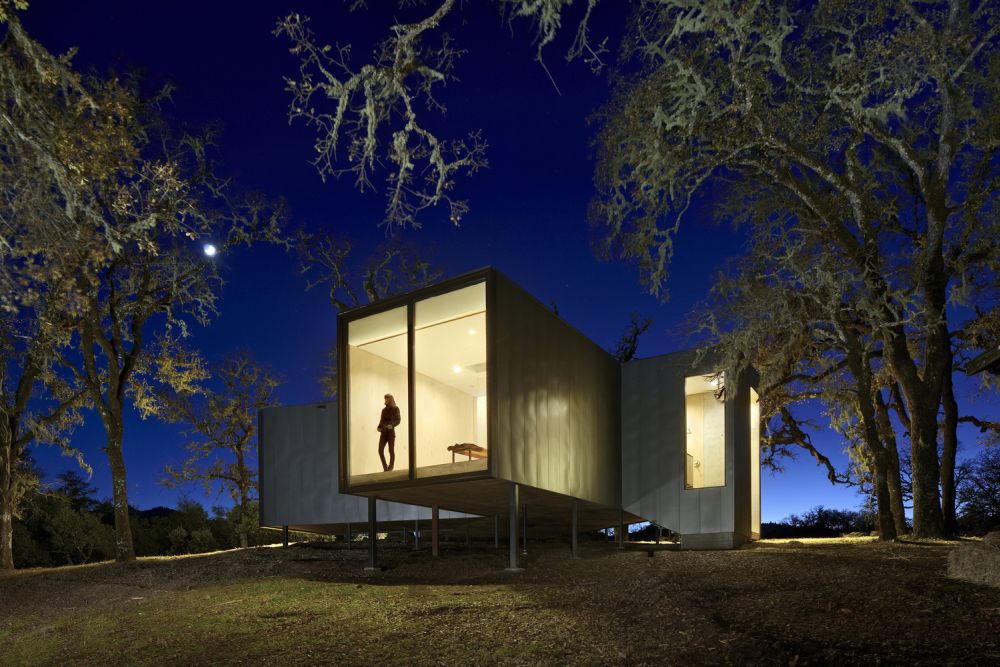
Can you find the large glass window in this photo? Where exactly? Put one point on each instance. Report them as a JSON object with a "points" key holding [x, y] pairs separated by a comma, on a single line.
{"points": [[705, 414], [449, 345], [377, 365], [754, 464]]}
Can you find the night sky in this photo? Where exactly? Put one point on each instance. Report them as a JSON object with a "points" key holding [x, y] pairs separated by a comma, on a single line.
{"points": [[528, 209]]}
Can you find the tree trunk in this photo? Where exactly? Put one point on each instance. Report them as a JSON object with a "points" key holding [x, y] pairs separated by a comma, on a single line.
{"points": [[860, 366], [886, 524], [124, 550], [7, 497], [923, 396], [6, 518], [895, 483], [893, 480], [7, 534], [244, 543], [949, 436], [927, 518], [244, 486]]}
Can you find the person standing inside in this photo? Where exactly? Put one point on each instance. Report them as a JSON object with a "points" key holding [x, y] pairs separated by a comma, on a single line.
{"points": [[387, 428]]}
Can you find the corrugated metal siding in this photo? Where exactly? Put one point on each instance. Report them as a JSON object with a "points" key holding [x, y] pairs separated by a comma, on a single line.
{"points": [[651, 477], [556, 402], [298, 458], [653, 449]]}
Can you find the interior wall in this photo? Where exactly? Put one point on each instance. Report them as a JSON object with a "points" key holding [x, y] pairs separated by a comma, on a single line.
{"points": [[706, 439], [445, 416], [481, 422], [371, 377]]}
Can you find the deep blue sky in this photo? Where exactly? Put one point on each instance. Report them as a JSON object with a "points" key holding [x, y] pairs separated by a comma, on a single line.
{"points": [[528, 214]]}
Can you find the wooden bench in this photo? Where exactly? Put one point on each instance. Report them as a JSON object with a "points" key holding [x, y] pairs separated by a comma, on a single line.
{"points": [[472, 450]]}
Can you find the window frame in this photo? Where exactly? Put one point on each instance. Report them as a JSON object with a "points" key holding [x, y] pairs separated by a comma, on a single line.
{"points": [[409, 300]]}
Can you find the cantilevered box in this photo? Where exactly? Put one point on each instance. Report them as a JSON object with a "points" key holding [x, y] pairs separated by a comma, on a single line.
{"points": [[491, 388]]}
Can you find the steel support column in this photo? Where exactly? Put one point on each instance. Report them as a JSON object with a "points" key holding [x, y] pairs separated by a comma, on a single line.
{"points": [[284, 536], [524, 531], [621, 529], [512, 505], [434, 531], [348, 536], [573, 530], [372, 536], [416, 534], [496, 531]]}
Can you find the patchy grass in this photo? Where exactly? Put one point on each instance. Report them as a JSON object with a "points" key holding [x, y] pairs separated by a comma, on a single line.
{"points": [[779, 602]]}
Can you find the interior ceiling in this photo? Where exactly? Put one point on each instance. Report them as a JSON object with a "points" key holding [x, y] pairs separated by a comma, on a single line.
{"points": [[431, 311], [440, 348], [700, 384], [377, 327]]}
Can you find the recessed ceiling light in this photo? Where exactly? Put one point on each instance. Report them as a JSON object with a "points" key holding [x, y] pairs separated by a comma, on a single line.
{"points": [[456, 369], [472, 332]]}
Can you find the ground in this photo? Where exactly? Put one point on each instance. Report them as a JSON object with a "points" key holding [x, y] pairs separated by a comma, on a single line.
{"points": [[778, 602]]}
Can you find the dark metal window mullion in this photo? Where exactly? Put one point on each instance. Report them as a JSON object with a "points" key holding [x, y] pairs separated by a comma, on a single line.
{"points": [[343, 402], [411, 378]]}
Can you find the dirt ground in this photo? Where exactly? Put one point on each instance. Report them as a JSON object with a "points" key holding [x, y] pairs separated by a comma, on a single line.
{"points": [[776, 602]]}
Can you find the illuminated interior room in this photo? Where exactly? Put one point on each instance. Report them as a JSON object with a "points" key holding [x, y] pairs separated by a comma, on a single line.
{"points": [[442, 400], [705, 422]]}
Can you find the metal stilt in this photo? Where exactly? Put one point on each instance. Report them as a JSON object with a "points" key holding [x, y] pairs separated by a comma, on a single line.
{"points": [[621, 529], [573, 531], [372, 536], [512, 505], [434, 531], [284, 536], [524, 531]]}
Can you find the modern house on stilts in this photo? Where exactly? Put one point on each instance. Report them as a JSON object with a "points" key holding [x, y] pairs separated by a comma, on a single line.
{"points": [[505, 408]]}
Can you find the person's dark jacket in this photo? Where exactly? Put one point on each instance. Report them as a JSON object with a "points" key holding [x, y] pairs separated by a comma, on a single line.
{"points": [[390, 417]]}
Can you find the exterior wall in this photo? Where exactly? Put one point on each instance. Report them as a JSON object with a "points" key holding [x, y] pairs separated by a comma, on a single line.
{"points": [[554, 400], [741, 432], [298, 458], [653, 441]]}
